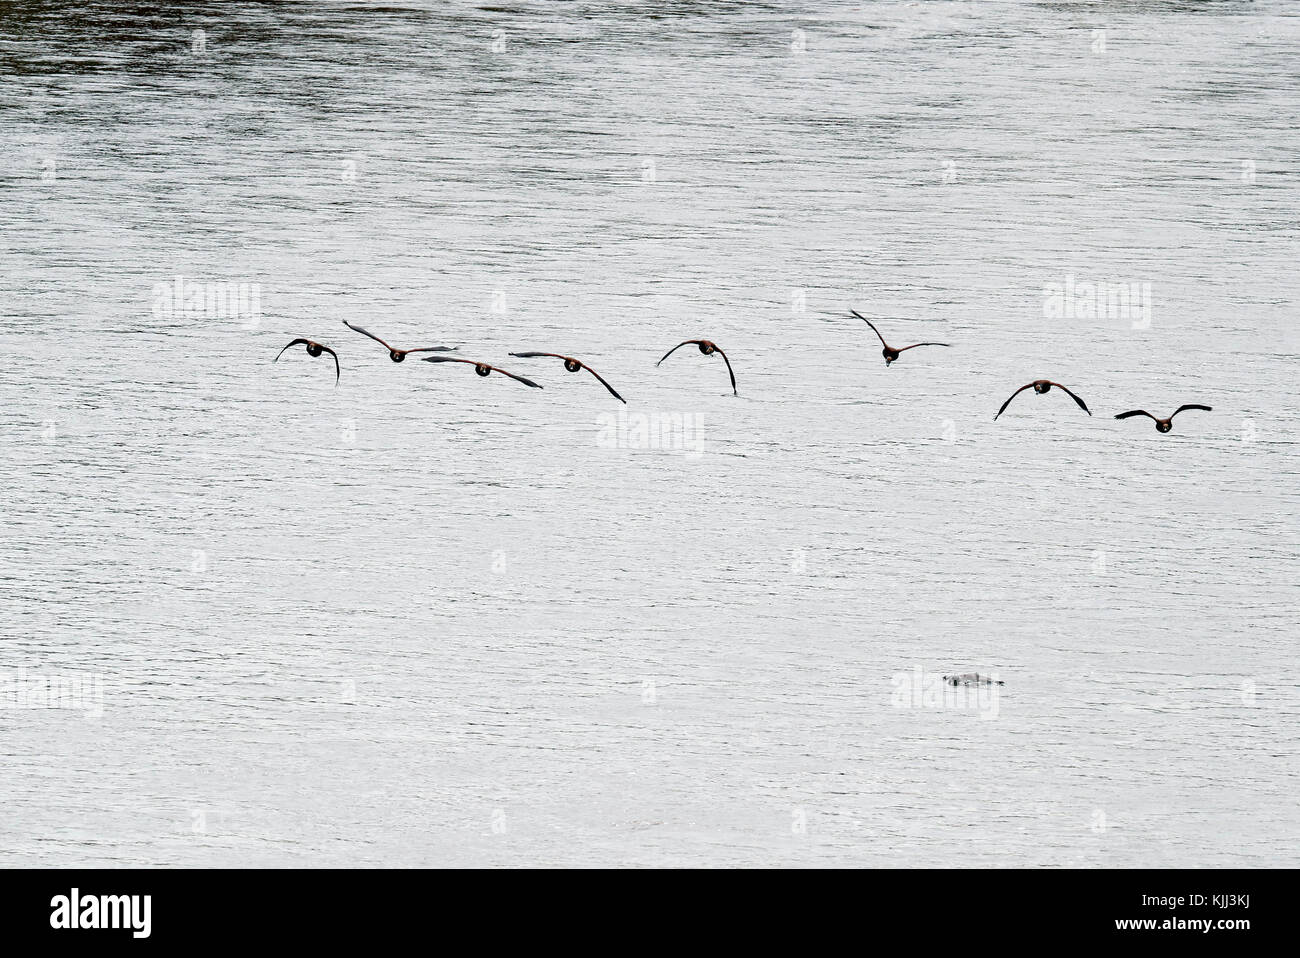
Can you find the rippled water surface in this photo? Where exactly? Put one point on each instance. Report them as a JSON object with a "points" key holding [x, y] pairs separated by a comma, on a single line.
{"points": [[425, 618]]}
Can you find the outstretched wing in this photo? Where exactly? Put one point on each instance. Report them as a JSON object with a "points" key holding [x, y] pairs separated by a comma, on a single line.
{"points": [[914, 345], [1191, 405], [605, 384], [1082, 405], [688, 342], [337, 371], [873, 328], [526, 382], [729, 372], [432, 349], [366, 333], [535, 355], [1012, 396], [1136, 412], [296, 342]]}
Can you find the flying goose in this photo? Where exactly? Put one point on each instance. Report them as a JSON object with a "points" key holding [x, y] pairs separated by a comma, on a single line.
{"points": [[1163, 425], [889, 352], [706, 348], [573, 365], [482, 369], [1042, 386], [397, 355], [314, 349]]}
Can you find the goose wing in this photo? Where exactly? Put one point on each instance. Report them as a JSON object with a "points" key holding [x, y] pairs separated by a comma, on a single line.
{"points": [[873, 327], [337, 371], [1082, 404], [296, 342], [1191, 405], [526, 382], [1135, 412], [688, 342], [601, 379], [367, 333], [729, 372], [914, 345], [1011, 397]]}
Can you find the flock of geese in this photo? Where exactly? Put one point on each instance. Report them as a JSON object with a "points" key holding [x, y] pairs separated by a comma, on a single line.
{"points": [[708, 348]]}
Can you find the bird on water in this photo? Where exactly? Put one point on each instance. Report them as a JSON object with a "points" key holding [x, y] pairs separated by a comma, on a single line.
{"points": [[971, 678]]}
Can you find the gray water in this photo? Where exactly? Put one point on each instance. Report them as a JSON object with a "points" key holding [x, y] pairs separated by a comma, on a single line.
{"points": [[424, 618]]}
